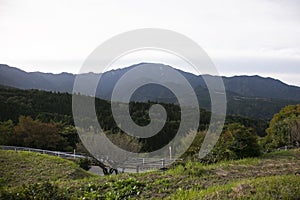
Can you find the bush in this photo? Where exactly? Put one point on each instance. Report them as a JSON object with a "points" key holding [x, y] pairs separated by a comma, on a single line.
{"points": [[84, 163], [245, 143], [236, 141]]}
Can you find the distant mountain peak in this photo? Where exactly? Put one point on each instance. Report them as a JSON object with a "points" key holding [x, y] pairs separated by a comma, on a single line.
{"points": [[244, 85]]}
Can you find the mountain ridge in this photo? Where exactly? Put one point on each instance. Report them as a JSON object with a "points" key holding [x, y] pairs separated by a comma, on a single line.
{"points": [[243, 85], [250, 96]]}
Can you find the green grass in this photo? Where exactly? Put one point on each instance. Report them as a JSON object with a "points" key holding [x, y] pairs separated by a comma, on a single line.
{"points": [[273, 187], [18, 168], [271, 176]]}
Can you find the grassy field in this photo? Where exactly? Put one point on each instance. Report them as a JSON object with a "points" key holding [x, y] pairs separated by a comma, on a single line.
{"points": [[272, 176], [18, 168]]}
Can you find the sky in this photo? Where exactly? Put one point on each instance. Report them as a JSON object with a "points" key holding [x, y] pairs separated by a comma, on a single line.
{"points": [[257, 37]]}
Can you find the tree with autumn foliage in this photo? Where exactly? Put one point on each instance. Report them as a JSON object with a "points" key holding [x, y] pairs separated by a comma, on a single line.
{"points": [[35, 134]]}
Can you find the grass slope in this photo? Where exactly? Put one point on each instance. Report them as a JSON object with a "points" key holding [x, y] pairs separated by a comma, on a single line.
{"points": [[272, 176], [18, 168], [271, 187]]}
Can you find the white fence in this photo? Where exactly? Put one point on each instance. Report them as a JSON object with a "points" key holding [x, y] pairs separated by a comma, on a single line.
{"points": [[136, 164], [55, 153]]}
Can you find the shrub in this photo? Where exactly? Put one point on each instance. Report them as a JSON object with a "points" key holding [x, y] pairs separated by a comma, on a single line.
{"points": [[84, 163]]}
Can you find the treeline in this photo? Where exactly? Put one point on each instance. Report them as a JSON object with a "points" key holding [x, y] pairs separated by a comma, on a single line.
{"points": [[57, 107], [43, 119], [238, 141], [42, 105], [36, 134]]}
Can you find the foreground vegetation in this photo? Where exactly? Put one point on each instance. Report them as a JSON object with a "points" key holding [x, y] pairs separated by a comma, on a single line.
{"points": [[18, 168], [34, 176]]}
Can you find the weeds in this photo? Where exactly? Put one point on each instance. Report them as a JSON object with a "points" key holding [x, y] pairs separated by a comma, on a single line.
{"points": [[271, 176]]}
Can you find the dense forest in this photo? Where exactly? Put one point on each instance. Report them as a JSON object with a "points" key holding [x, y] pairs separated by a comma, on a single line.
{"points": [[42, 119]]}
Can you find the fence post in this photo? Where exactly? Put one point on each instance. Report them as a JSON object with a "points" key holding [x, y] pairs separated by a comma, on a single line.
{"points": [[137, 168], [163, 163], [74, 154]]}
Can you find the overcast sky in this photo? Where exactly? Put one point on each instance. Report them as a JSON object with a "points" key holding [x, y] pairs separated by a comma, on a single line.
{"points": [[241, 37]]}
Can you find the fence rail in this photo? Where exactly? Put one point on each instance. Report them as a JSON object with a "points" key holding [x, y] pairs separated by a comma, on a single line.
{"points": [[138, 164], [56, 153]]}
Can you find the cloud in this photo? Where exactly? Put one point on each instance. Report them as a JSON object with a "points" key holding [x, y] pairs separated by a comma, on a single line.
{"points": [[258, 36]]}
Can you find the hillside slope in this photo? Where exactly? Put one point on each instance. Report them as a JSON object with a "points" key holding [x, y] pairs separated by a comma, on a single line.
{"points": [[272, 176], [18, 168]]}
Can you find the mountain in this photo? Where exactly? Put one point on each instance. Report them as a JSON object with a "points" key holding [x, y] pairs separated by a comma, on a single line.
{"points": [[251, 96], [14, 77], [255, 86]]}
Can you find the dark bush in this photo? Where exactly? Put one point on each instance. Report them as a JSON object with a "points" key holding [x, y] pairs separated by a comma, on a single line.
{"points": [[84, 163]]}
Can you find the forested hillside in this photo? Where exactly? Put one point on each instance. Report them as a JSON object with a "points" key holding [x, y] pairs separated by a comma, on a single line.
{"points": [[55, 108]]}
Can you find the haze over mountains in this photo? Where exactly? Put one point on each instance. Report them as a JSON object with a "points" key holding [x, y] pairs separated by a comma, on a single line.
{"points": [[251, 96]]}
